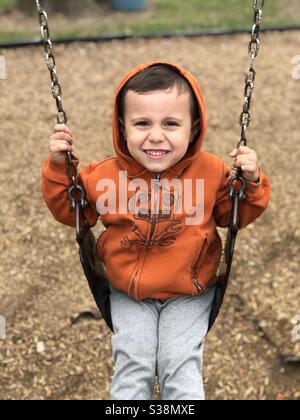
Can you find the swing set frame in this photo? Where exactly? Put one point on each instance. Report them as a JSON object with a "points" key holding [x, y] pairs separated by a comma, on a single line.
{"points": [[91, 263]]}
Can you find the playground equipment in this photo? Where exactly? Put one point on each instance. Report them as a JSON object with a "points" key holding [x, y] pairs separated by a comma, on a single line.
{"points": [[92, 265]]}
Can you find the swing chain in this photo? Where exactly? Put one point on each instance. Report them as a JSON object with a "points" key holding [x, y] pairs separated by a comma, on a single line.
{"points": [[245, 117], [77, 203], [254, 44], [50, 61], [237, 183], [253, 51]]}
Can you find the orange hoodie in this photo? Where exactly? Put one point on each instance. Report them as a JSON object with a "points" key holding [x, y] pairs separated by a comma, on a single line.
{"points": [[157, 255]]}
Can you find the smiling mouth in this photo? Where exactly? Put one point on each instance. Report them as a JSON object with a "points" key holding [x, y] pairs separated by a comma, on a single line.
{"points": [[156, 153]]}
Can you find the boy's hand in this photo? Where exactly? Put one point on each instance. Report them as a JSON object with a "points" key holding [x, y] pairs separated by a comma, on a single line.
{"points": [[246, 159], [61, 141]]}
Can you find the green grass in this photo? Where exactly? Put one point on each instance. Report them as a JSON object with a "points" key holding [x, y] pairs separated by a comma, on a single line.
{"points": [[171, 15], [6, 3]]}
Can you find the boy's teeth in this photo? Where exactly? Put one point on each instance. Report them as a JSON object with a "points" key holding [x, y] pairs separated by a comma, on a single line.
{"points": [[155, 153]]}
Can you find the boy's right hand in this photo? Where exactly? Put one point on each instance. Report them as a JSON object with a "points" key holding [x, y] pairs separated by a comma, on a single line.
{"points": [[61, 141]]}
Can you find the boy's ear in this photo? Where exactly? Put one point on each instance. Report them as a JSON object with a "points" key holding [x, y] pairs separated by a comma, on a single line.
{"points": [[196, 129]]}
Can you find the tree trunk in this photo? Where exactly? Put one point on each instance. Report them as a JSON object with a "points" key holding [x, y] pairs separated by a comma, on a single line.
{"points": [[67, 7]]}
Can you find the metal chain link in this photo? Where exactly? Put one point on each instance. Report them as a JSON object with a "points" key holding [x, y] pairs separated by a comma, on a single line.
{"points": [[238, 194], [50, 61], [245, 117], [71, 167]]}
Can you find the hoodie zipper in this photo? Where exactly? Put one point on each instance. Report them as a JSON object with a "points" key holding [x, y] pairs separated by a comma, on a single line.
{"points": [[133, 288], [154, 217]]}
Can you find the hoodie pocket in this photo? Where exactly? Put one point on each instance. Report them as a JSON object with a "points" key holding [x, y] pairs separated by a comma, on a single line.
{"points": [[198, 286]]}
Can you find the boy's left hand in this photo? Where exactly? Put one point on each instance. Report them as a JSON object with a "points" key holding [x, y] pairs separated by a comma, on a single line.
{"points": [[246, 159]]}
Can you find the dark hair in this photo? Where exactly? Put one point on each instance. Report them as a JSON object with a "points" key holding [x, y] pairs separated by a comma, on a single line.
{"points": [[159, 77]]}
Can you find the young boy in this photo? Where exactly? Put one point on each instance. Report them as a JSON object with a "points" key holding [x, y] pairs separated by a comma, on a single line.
{"points": [[161, 198]]}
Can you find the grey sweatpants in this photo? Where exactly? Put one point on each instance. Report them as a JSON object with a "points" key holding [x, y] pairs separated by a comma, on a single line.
{"points": [[159, 338]]}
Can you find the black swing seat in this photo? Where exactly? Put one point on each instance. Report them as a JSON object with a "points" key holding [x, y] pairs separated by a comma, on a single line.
{"points": [[95, 274], [99, 283], [220, 292]]}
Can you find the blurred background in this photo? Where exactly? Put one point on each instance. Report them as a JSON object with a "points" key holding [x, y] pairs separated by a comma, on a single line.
{"points": [[98, 17]]}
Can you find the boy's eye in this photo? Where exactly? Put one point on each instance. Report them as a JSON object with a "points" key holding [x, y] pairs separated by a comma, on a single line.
{"points": [[167, 123], [171, 123], [142, 123]]}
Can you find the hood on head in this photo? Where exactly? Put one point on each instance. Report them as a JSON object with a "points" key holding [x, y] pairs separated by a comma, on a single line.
{"points": [[133, 168]]}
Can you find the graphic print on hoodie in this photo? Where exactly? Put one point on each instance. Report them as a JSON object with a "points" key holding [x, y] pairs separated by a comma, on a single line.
{"points": [[167, 236]]}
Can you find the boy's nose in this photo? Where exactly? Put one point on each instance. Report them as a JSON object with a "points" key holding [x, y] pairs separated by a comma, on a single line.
{"points": [[156, 136]]}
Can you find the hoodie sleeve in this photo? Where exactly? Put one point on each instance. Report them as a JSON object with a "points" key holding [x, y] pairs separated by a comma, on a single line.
{"points": [[257, 198], [55, 185]]}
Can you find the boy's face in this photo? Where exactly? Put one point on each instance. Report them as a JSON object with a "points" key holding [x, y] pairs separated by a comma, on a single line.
{"points": [[158, 127]]}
